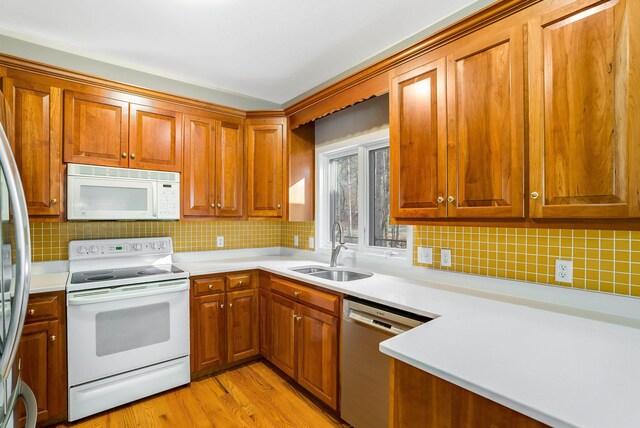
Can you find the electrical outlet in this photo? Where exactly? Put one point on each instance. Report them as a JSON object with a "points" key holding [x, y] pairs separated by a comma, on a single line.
{"points": [[445, 257], [564, 271], [312, 242], [220, 241], [425, 255], [295, 240]]}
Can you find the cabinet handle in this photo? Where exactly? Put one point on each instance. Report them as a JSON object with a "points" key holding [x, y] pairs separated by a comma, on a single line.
{"points": [[210, 286], [219, 205], [440, 199], [31, 312], [132, 156], [278, 206], [451, 199], [52, 338], [54, 201], [535, 195], [124, 155]]}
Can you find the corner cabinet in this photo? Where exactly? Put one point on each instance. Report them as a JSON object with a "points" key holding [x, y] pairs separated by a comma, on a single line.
{"points": [[265, 167], [42, 356], [212, 176], [584, 145], [224, 320], [457, 131], [36, 139]]}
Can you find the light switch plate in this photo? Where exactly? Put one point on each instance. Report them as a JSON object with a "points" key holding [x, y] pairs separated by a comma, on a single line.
{"points": [[445, 257], [220, 241], [312, 242], [564, 271], [295, 240], [425, 255]]}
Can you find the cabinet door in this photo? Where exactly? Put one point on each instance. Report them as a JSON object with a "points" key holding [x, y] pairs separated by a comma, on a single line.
{"points": [[584, 149], [207, 347], [229, 167], [264, 171], [41, 353], [95, 130], [264, 323], [36, 140], [317, 348], [418, 143], [155, 138], [242, 325], [282, 314], [199, 162], [486, 124]]}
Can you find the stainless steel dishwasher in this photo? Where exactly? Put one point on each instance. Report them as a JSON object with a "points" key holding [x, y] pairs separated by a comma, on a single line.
{"points": [[364, 398]]}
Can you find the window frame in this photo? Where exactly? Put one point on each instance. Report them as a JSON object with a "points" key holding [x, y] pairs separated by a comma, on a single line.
{"points": [[361, 145]]}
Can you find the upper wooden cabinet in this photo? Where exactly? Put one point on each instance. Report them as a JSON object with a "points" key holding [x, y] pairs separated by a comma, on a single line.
{"points": [[95, 130], [265, 172], [155, 138], [584, 128], [418, 142], [457, 131], [36, 139], [486, 124], [212, 176]]}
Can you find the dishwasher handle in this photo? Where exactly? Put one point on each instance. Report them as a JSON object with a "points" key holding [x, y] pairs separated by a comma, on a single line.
{"points": [[375, 323]]}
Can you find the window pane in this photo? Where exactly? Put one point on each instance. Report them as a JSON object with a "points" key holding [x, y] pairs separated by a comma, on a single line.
{"points": [[344, 196], [382, 233]]}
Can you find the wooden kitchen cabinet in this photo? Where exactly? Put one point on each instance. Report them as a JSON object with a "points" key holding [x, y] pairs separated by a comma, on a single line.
{"points": [[36, 139], [155, 138], [264, 302], [96, 130], [213, 165], [584, 148], [265, 168], [42, 356], [304, 337], [224, 320]]}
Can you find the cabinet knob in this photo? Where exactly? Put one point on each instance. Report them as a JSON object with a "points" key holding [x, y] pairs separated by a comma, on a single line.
{"points": [[296, 293], [240, 282], [52, 338], [278, 206], [440, 199], [31, 312], [124, 155], [213, 205], [298, 318], [132, 156], [451, 199], [535, 195], [222, 306], [294, 316], [219, 205], [210, 286], [231, 305], [54, 201]]}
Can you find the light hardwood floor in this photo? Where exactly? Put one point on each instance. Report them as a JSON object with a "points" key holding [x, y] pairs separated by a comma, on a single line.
{"points": [[252, 395]]}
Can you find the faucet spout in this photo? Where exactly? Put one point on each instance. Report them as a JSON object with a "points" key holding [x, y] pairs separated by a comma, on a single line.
{"points": [[335, 251]]}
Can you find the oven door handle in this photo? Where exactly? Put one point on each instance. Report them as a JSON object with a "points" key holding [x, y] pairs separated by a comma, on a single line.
{"points": [[123, 293]]}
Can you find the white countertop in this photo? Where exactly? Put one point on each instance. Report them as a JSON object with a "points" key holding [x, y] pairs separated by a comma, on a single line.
{"points": [[524, 348], [44, 282]]}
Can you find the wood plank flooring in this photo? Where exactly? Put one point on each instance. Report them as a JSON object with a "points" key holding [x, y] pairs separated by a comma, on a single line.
{"points": [[253, 395]]}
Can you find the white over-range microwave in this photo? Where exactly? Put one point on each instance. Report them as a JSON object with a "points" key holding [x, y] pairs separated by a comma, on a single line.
{"points": [[100, 193]]}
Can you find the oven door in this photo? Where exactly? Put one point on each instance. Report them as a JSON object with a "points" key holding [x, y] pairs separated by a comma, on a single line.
{"points": [[115, 330], [90, 198]]}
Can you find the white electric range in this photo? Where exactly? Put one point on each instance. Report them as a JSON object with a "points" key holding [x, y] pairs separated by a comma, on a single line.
{"points": [[127, 322]]}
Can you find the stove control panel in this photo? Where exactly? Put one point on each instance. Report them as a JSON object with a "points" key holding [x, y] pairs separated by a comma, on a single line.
{"points": [[102, 248]]}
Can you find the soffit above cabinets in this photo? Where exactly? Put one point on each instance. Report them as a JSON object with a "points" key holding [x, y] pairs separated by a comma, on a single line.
{"points": [[273, 50]]}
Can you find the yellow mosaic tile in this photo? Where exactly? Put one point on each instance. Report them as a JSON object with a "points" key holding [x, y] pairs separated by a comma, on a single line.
{"points": [[302, 229]]}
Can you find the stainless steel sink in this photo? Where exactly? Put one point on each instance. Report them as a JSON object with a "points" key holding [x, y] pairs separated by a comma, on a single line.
{"points": [[341, 275], [332, 274]]}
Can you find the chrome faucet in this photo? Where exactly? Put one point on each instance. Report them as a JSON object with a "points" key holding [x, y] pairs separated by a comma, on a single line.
{"points": [[335, 251]]}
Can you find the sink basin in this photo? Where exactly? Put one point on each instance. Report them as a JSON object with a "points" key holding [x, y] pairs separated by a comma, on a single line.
{"points": [[341, 275], [332, 274]]}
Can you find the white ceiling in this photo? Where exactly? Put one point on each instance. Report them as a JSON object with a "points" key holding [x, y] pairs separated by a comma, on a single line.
{"points": [[274, 50]]}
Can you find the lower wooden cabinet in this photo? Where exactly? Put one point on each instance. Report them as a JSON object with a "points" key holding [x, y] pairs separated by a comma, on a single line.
{"points": [[304, 340], [42, 356], [224, 320]]}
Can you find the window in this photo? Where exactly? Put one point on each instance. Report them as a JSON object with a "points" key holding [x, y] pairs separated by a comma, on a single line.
{"points": [[353, 189]]}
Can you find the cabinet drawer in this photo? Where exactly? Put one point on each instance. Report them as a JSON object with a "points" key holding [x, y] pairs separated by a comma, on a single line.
{"points": [[321, 300], [205, 286], [42, 307], [239, 281]]}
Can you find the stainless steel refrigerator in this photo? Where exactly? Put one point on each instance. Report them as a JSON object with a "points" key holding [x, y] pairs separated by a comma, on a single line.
{"points": [[15, 255]]}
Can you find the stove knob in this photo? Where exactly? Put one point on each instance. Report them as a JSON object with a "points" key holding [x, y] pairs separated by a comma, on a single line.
{"points": [[82, 250], [154, 245], [93, 249], [163, 244], [137, 247]]}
